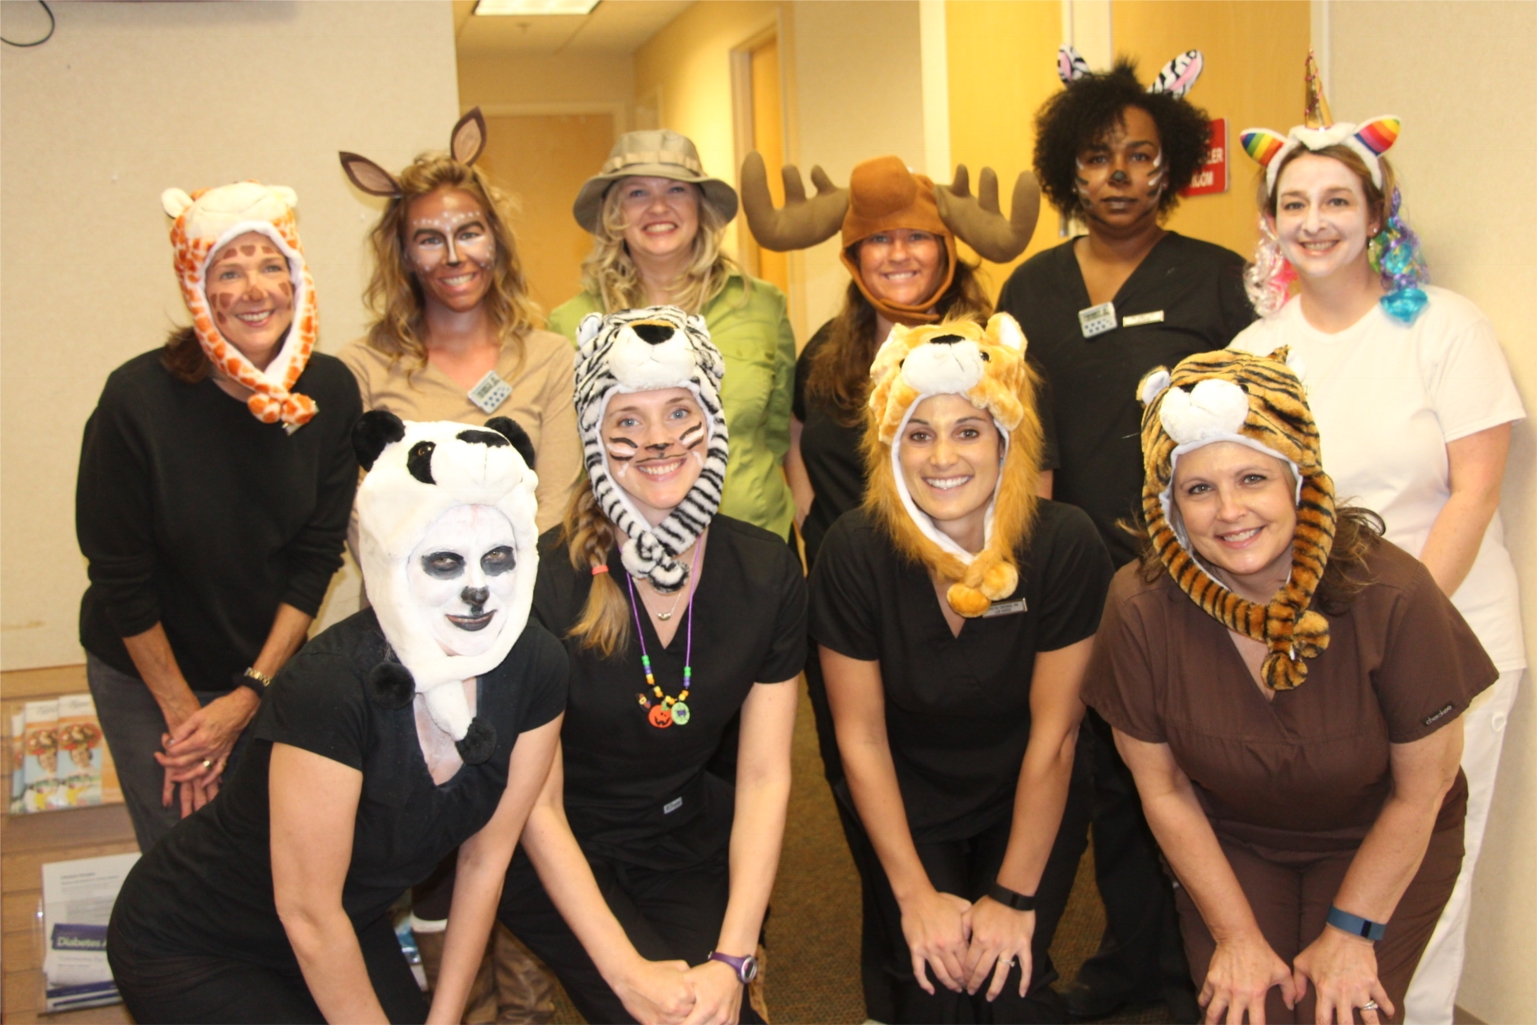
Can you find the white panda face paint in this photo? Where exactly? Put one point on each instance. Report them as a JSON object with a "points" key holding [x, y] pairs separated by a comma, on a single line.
{"points": [[449, 244], [655, 445], [460, 578]]}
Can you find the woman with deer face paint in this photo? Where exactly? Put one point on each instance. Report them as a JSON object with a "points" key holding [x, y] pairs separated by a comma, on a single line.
{"points": [[455, 335], [214, 484], [643, 877], [421, 725], [1101, 310], [1416, 404]]}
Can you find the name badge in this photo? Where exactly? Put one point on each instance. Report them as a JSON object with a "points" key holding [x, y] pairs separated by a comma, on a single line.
{"points": [[1156, 317], [1096, 320], [1005, 608], [672, 806], [490, 392]]}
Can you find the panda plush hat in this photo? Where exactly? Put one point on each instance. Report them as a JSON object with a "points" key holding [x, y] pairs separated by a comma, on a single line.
{"points": [[447, 542]]}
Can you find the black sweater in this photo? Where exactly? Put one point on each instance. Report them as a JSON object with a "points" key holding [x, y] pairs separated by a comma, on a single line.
{"points": [[194, 514]]}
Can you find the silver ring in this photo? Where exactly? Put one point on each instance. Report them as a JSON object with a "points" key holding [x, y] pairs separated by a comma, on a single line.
{"points": [[207, 763], [1013, 962], [1370, 1005]]}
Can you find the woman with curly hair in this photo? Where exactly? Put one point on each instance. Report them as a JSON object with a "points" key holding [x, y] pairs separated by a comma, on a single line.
{"points": [[1415, 401], [656, 221], [454, 335], [1100, 310]]}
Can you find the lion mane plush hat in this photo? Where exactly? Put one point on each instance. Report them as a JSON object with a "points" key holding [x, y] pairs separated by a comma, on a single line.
{"points": [[883, 195], [417, 472], [1256, 401], [205, 221], [986, 367]]}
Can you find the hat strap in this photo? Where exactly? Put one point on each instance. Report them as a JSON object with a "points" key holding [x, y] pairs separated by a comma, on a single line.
{"points": [[652, 157]]}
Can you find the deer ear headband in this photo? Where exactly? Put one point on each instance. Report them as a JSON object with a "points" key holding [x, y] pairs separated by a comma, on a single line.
{"points": [[1175, 78], [1395, 251], [465, 144]]}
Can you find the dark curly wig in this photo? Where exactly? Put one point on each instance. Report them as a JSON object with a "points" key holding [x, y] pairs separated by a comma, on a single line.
{"points": [[1084, 112]]}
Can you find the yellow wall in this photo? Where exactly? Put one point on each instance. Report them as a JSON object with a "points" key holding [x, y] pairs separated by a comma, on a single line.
{"points": [[994, 92], [497, 80], [116, 107], [1380, 53], [1254, 50], [1002, 66]]}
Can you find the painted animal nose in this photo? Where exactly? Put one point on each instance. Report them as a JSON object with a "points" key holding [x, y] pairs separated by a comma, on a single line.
{"points": [[475, 596], [1119, 176], [653, 334]]}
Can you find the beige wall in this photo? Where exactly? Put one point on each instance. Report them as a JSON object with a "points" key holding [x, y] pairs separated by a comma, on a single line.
{"points": [[123, 102], [1466, 134], [494, 80]]}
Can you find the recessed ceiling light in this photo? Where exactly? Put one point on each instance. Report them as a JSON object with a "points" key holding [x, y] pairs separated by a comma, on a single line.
{"points": [[524, 8]]}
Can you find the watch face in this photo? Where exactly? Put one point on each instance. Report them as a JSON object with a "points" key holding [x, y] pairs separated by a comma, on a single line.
{"points": [[749, 969]]}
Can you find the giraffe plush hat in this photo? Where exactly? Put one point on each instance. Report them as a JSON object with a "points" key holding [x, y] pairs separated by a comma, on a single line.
{"points": [[206, 221]]}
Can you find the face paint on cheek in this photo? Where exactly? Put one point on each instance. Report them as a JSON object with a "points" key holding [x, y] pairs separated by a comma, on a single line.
{"points": [[482, 250], [1155, 180], [621, 451]]}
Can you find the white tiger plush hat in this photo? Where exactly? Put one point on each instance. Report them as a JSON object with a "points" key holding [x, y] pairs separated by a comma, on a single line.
{"points": [[419, 474], [646, 350], [205, 221]]}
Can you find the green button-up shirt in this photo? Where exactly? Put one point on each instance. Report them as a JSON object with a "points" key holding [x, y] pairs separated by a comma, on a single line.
{"points": [[752, 331]]}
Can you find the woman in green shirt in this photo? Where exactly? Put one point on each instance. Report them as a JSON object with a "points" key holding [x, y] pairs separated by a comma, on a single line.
{"points": [[656, 219]]}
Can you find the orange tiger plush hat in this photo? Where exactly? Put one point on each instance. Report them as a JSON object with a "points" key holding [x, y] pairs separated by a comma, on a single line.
{"points": [[988, 368], [205, 221], [1256, 401]]}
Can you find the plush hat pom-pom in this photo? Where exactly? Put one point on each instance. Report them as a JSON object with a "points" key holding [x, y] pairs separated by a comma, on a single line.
{"points": [[478, 743], [1282, 672], [390, 685], [967, 601], [1311, 635], [999, 581]]}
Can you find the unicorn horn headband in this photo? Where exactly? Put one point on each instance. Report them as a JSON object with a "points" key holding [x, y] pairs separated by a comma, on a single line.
{"points": [[1318, 131]]}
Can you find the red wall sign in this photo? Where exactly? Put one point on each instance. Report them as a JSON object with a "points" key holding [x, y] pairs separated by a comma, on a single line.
{"points": [[1212, 176]]}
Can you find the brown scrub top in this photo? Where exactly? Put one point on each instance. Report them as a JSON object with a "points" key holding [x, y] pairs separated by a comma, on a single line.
{"points": [[1307, 771]]}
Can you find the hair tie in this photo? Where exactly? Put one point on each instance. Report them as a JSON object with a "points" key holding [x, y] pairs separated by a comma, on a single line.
{"points": [[603, 568]]}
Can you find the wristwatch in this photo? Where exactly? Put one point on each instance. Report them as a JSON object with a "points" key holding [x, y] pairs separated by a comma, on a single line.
{"points": [[746, 967], [255, 679]]}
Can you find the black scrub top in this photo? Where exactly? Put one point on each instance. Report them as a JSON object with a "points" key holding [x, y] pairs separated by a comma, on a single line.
{"points": [[957, 708], [206, 888], [1095, 417], [830, 449], [638, 793]]}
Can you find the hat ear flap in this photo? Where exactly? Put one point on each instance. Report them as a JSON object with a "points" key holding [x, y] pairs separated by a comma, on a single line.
{"points": [[1262, 144], [175, 202], [1006, 330], [375, 430], [1379, 134], [1179, 74], [1070, 64], [510, 429], [468, 139]]}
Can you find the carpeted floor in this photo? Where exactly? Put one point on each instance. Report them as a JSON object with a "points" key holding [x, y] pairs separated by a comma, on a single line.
{"points": [[812, 966]]}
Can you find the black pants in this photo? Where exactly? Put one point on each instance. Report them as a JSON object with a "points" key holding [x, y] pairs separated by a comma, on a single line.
{"points": [[1140, 957], [669, 914], [202, 988], [967, 868]]}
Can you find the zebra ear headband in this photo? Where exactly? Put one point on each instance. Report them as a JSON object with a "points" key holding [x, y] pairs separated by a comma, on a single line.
{"points": [[1176, 77], [648, 350]]}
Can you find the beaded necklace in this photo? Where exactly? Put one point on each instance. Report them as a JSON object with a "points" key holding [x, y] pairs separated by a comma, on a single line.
{"points": [[668, 710]]}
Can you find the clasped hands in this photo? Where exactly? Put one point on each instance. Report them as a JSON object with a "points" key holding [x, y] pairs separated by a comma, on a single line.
{"points": [[1343, 969], [198, 745], [962, 942], [672, 993]]}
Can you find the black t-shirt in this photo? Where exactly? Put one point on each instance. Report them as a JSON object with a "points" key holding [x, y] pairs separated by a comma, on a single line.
{"points": [[196, 515], [1096, 419], [207, 887], [957, 708], [638, 793], [831, 450]]}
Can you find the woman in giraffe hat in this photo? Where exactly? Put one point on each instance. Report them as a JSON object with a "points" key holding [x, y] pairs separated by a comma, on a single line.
{"points": [[1288, 690], [1415, 403], [215, 484]]}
